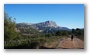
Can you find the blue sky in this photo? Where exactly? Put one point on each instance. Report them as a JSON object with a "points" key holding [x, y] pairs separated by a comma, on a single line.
{"points": [[66, 15]]}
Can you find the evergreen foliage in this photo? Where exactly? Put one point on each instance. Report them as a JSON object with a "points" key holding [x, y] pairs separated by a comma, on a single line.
{"points": [[9, 27]]}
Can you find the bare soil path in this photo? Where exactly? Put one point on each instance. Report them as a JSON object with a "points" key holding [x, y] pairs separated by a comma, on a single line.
{"points": [[75, 44]]}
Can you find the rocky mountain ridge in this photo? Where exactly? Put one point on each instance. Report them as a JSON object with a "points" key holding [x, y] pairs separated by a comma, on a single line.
{"points": [[46, 27]]}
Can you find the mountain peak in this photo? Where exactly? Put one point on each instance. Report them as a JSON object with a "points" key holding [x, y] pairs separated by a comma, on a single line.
{"points": [[50, 23]]}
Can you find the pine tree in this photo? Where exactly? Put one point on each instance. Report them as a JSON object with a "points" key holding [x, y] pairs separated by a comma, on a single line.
{"points": [[9, 27]]}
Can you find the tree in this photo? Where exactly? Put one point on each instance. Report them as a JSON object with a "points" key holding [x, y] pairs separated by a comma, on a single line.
{"points": [[48, 35], [79, 31], [65, 33], [9, 27], [73, 31], [58, 33]]}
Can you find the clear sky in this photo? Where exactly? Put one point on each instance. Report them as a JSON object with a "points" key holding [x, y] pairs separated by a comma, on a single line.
{"points": [[66, 15]]}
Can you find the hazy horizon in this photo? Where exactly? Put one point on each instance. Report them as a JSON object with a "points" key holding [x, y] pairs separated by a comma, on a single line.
{"points": [[65, 15]]}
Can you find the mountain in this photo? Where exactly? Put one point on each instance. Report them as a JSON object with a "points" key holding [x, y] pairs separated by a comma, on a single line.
{"points": [[46, 24], [49, 25], [26, 28], [46, 27]]}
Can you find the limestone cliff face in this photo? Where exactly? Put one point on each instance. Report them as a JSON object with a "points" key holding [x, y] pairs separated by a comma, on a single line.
{"points": [[46, 24]]}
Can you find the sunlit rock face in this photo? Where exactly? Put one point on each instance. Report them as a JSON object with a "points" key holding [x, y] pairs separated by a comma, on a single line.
{"points": [[46, 24]]}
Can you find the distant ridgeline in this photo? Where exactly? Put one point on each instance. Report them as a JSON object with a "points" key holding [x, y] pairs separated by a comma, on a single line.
{"points": [[45, 27]]}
